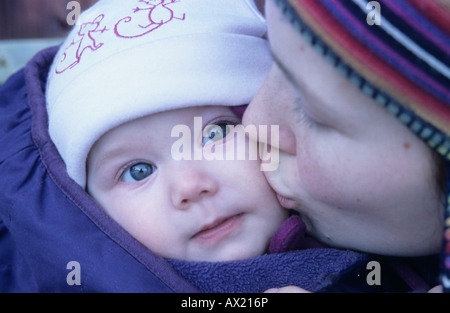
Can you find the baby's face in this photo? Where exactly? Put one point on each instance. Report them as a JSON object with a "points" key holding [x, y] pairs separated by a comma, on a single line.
{"points": [[196, 208]]}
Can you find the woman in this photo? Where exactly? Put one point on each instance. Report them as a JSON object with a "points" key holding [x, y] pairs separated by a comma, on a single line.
{"points": [[364, 116]]}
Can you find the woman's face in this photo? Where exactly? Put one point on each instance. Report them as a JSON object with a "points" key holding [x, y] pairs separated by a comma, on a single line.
{"points": [[358, 177]]}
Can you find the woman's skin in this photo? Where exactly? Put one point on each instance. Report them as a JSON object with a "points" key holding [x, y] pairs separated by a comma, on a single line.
{"points": [[359, 178]]}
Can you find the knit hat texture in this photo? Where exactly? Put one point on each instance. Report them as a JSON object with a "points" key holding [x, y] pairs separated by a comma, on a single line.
{"points": [[398, 53], [126, 59]]}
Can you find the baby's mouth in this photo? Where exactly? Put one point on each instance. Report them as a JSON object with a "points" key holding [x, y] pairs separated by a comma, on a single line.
{"points": [[219, 228]]}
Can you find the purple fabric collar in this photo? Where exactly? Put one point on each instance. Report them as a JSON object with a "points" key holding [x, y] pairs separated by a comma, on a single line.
{"points": [[36, 75]]}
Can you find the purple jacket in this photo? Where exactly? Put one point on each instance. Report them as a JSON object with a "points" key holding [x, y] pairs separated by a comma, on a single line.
{"points": [[48, 221]]}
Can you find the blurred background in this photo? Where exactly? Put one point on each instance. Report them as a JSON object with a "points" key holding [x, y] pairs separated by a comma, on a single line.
{"points": [[27, 26]]}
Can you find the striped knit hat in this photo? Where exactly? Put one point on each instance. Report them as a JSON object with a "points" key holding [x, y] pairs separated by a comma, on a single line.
{"points": [[398, 53]]}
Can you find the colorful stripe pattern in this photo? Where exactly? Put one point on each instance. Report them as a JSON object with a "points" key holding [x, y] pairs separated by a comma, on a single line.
{"points": [[402, 62]]}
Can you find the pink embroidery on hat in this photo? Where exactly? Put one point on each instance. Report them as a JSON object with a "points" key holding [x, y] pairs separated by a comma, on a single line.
{"points": [[87, 39], [159, 13]]}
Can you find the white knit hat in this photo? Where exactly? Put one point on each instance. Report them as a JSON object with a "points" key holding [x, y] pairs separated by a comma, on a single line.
{"points": [[126, 59]]}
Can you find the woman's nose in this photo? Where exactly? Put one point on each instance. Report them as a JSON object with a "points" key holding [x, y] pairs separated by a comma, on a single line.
{"points": [[191, 184], [266, 111], [257, 114]]}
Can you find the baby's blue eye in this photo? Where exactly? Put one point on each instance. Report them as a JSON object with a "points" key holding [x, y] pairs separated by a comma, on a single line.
{"points": [[216, 132], [138, 172]]}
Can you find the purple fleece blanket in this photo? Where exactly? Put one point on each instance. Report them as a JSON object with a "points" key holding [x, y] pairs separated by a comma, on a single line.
{"points": [[311, 269]]}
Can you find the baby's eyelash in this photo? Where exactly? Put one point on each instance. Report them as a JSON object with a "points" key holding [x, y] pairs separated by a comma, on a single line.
{"points": [[121, 172], [138, 172], [231, 121], [211, 131]]}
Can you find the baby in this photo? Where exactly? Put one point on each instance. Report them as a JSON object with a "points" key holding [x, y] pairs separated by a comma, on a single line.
{"points": [[183, 209], [125, 78]]}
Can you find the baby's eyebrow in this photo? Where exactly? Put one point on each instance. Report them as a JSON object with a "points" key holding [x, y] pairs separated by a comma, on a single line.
{"points": [[110, 155]]}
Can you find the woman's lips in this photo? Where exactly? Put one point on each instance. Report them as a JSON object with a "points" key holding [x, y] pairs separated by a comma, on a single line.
{"points": [[287, 202], [219, 228]]}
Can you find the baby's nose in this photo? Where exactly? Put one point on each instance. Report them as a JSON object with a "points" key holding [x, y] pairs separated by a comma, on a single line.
{"points": [[191, 185]]}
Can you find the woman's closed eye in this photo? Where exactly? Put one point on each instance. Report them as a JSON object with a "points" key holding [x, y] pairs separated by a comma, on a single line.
{"points": [[138, 172]]}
